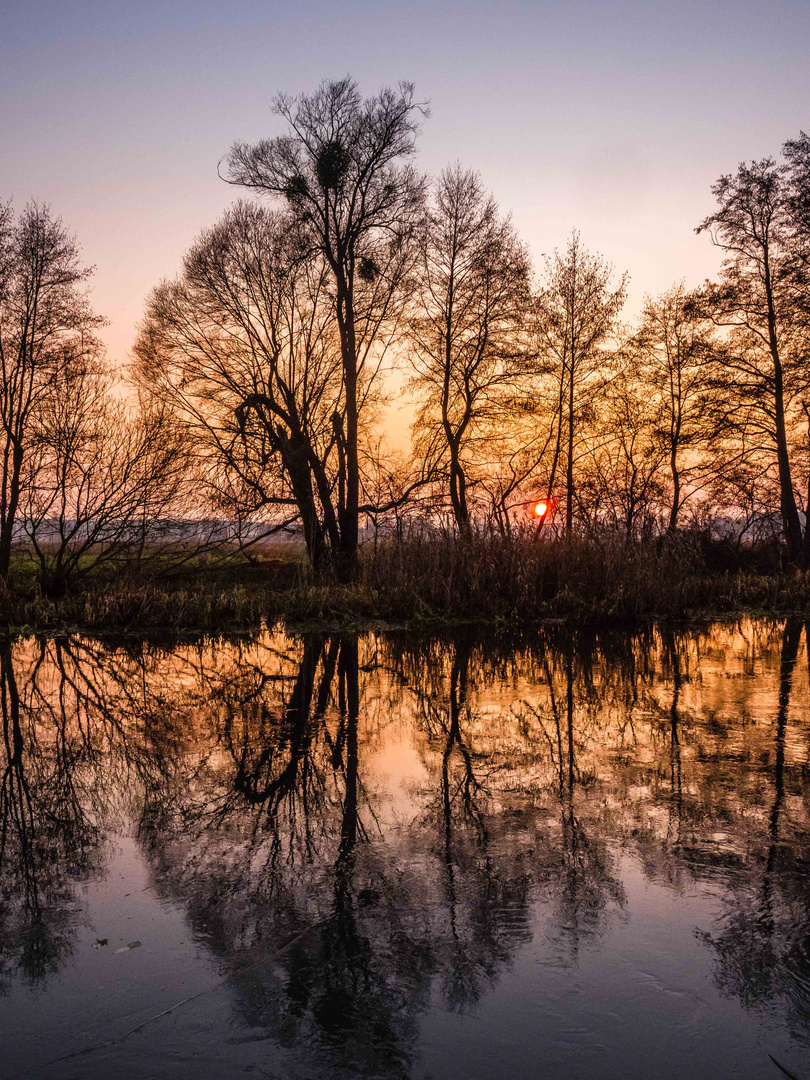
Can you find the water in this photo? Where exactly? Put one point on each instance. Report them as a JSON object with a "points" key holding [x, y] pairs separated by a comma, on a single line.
{"points": [[569, 856]]}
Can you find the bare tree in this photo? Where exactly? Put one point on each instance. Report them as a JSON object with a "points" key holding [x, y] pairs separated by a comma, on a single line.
{"points": [[672, 353], [577, 312], [517, 470], [101, 478], [761, 302], [797, 156], [242, 350], [45, 322], [622, 482], [343, 172], [467, 347]]}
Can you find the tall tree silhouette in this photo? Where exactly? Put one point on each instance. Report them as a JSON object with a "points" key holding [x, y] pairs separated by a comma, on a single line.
{"points": [[577, 311], [672, 351], [240, 349], [470, 307], [343, 170], [761, 302], [46, 324]]}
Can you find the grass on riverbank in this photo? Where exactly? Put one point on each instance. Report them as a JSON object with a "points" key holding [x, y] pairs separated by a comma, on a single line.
{"points": [[430, 579]]}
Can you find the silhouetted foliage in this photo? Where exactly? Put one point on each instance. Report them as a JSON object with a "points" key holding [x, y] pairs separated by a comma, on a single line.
{"points": [[343, 170], [259, 377]]}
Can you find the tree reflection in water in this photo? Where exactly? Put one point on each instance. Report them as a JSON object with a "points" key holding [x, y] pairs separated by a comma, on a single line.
{"points": [[48, 836], [337, 906], [762, 941]]}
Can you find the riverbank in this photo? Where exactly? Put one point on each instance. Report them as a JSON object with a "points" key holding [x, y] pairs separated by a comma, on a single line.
{"points": [[425, 581]]}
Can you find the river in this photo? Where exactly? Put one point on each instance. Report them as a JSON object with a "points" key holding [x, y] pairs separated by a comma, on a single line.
{"points": [[565, 855]]}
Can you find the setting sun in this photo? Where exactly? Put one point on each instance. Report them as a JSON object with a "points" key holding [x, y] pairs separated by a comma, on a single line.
{"points": [[541, 509]]}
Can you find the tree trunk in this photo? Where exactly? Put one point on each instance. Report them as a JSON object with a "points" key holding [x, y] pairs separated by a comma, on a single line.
{"points": [[458, 491], [348, 512], [569, 471], [790, 515], [9, 517], [676, 491], [296, 461]]}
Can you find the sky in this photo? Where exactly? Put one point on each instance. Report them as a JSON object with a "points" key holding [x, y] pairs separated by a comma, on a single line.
{"points": [[614, 118]]}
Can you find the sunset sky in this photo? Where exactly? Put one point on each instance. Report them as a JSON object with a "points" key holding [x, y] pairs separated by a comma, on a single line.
{"points": [[612, 117]]}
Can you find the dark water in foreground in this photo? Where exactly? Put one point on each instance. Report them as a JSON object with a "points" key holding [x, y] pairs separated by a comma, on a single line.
{"points": [[570, 857]]}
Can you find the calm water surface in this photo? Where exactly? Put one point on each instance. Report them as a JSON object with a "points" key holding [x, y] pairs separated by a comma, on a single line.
{"points": [[572, 856]]}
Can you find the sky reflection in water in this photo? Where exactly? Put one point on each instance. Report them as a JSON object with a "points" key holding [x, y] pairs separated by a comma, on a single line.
{"points": [[388, 856]]}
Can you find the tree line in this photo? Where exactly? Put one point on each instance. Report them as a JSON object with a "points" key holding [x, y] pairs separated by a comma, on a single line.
{"points": [[258, 386]]}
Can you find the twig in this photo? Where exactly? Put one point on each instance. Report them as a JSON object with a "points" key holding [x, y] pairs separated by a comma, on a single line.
{"points": [[787, 1072]]}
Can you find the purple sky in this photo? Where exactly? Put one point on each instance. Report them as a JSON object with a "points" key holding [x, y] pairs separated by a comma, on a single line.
{"points": [[612, 117]]}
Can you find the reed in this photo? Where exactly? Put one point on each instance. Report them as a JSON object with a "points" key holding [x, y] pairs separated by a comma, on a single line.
{"points": [[521, 578], [427, 578]]}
